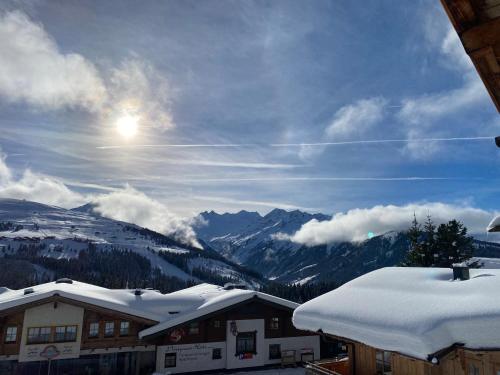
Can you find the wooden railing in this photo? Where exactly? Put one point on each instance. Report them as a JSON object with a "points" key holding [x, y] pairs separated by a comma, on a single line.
{"points": [[314, 369], [332, 366]]}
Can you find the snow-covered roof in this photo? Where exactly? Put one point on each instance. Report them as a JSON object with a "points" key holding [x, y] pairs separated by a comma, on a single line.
{"points": [[150, 304], [215, 298], [168, 309], [413, 311]]}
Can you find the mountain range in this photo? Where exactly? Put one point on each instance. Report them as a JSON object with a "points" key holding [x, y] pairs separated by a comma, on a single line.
{"points": [[247, 238], [40, 242]]}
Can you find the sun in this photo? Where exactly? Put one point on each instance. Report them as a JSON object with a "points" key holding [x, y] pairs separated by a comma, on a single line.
{"points": [[127, 126]]}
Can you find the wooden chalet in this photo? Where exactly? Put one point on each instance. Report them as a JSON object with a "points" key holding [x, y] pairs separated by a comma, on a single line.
{"points": [[68, 327], [410, 321]]}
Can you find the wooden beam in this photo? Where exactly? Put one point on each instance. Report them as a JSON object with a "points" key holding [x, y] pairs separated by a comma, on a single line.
{"points": [[481, 36]]}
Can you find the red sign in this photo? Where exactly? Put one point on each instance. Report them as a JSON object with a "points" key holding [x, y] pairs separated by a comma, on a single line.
{"points": [[176, 335], [49, 352]]}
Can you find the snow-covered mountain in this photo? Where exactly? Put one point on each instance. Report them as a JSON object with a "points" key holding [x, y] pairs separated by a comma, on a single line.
{"points": [[247, 238], [58, 233], [237, 236]]}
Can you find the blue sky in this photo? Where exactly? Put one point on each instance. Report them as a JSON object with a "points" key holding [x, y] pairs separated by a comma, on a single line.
{"points": [[250, 74]]}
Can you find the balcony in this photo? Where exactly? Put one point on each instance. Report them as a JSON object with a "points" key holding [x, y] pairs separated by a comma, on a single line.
{"points": [[332, 366]]}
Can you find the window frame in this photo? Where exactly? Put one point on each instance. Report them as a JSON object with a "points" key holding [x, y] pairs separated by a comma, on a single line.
{"points": [[122, 332], [383, 364], [249, 335], [217, 323], [274, 323], [112, 324], [6, 339], [90, 334], [171, 355], [214, 351], [194, 328], [279, 351], [32, 339]]}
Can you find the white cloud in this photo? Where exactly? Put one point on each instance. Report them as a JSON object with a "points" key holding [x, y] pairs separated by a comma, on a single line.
{"points": [[136, 88], [357, 118], [32, 69], [355, 224], [127, 204], [426, 108], [35, 71], [133, 206]]}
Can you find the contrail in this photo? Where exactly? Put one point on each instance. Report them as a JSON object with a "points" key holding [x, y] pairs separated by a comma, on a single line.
{"points": [[256, 179], [340, 143], [382, 141]]}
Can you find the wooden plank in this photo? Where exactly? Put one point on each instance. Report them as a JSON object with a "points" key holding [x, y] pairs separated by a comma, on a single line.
{"points": [[481, 36]]}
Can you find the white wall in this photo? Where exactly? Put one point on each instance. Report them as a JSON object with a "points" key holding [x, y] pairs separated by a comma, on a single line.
{"points": [[191, 357], [298, 344], [262, 350], [48, 315]]}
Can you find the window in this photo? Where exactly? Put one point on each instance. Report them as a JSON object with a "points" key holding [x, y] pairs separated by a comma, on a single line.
{"points": [[124, 328], [383, 362], [216, 353], [245, 343], [65, 334], [60, 334], [94, 329], [274, 351], [216, 323], [37, 335], [275, 323], [194, 328], [474, 369], [109, 329], [11, 334], [170, 360], [71, 333]]}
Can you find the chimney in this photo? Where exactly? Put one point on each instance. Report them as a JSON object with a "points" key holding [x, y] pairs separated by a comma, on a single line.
{"points": [[460, 271]]}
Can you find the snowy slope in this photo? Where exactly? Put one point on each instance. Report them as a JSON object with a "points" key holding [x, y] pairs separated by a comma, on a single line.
{"points": [[62, 233]]}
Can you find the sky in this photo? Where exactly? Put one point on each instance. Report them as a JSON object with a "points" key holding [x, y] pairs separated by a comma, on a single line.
{"points": [[158, 110]]}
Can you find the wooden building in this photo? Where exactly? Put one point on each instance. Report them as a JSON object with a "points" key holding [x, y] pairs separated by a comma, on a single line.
{"points": [[410, 321], [68, 327], [477, 23]]}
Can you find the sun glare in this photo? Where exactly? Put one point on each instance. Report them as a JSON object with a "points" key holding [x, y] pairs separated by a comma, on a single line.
{"points": [[127, 126]]}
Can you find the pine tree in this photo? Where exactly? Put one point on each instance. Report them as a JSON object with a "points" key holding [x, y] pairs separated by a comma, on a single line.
{"points": [[414, 233]]}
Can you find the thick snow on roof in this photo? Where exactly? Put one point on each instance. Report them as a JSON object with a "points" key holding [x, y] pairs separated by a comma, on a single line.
{"points": [[215, 298], [150, 304], [413, 311], [175, 308]]}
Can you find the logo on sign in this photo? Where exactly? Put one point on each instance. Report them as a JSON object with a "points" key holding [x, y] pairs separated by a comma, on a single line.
{"points": [[176, 335], [49, 352]]}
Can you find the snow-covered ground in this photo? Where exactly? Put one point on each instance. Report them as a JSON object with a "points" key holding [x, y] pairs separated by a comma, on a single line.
{"points": [[273, 371]]}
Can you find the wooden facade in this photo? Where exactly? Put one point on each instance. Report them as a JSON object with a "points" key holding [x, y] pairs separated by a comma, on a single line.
{"points": [[477, 23], [212, 328], [456, 360]]}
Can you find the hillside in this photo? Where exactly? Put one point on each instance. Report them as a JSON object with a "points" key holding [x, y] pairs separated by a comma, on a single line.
{"points": [[55, 240], [283, 261]]}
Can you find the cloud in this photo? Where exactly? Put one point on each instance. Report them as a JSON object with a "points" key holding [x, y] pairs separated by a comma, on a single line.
{"points": [[126, 204], [33, 70], [426, 108], [133, 206], [136, 88], [357, 118], [355, 224]]}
